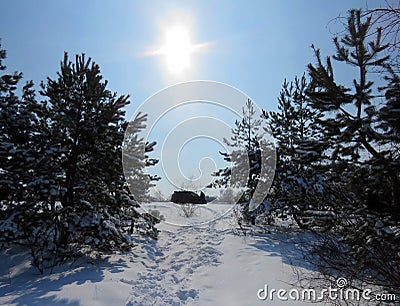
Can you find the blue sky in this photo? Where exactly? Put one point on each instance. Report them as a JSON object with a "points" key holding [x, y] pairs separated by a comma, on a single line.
{"points": [[256, 43], [253, 45]]}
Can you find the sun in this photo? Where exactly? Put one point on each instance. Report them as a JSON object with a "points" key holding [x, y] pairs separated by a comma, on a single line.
{"points": [[177, 49]]}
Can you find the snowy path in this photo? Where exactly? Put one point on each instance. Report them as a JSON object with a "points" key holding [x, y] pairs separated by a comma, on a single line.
{"points": [[185, 266], [182, 251]]}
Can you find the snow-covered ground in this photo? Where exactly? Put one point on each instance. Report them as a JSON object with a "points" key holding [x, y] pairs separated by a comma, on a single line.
{"points": [[187, 265]]}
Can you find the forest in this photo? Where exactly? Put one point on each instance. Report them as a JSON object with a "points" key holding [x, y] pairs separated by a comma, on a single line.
{"points": [[65, 194]]}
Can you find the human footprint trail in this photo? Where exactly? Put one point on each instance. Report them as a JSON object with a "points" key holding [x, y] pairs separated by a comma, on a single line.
{"points": [[180, 252]]}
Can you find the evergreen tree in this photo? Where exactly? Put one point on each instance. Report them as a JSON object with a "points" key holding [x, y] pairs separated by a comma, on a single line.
{"points": [[298, 186], [19, 124], [361, 129], [135, 159], [296, 125], [357, 138], [389, 120], [245, 158], [74, 195], [86, 127], [149, 147], [10, 136]]}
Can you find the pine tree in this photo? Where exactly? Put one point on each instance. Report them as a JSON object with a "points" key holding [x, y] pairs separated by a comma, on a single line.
{"points": [[135, 159], [19, 124], [9, 135], [86, 127], [298, 183], [245, 158], [296, 125], [149, 147], [361, 129], [355, 135], [68, 193]]}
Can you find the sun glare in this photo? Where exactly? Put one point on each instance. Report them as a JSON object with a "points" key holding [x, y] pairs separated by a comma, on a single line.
{"points": [[177, 49]]}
